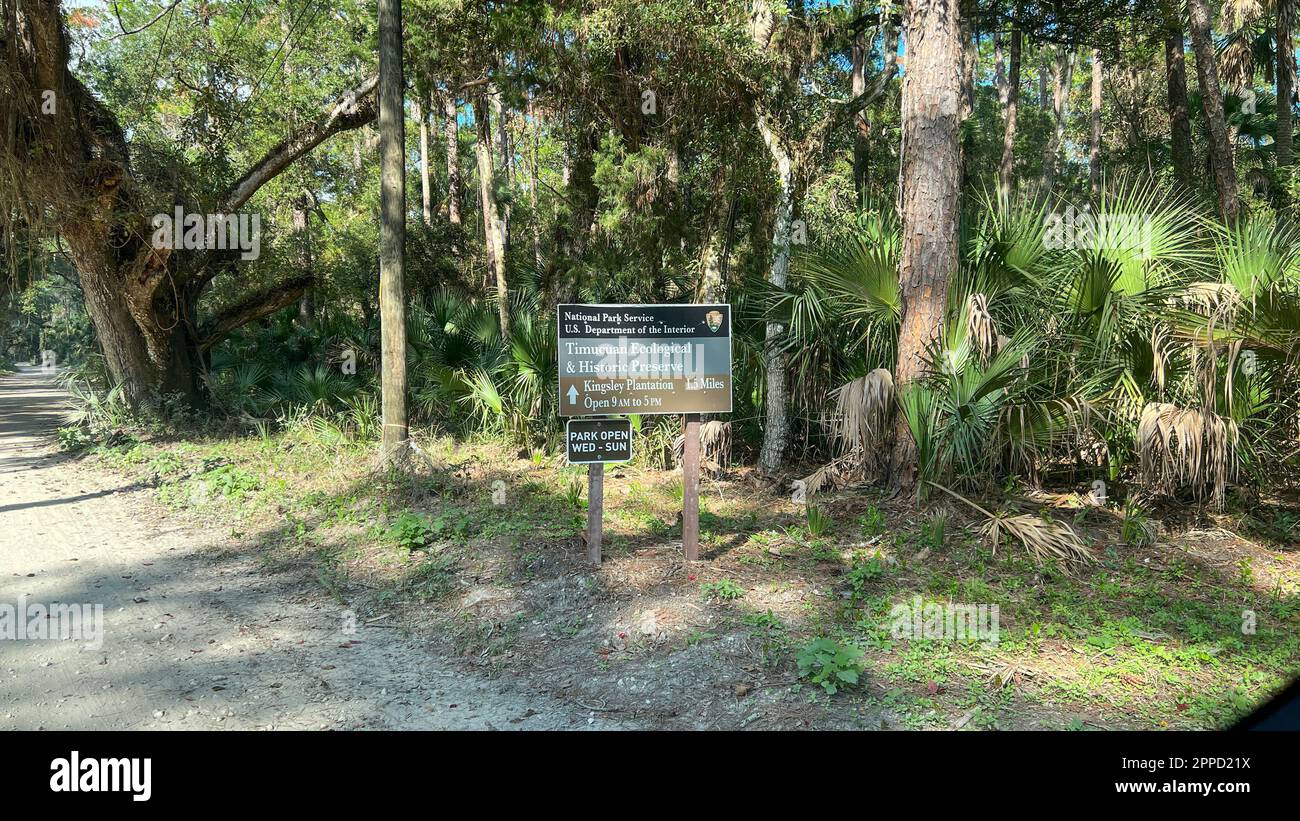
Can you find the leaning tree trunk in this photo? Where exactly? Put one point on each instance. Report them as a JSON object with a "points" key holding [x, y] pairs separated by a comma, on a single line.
{"points": [[1094, 134], [493, 229], [858, 86], [1060, 112], [929, 197], [1007, 168], [392, 232], [1207, 78], [73, 165], [1180, 127], [1285, 80]]}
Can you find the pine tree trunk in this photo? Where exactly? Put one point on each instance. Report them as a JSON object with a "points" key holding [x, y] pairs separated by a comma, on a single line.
{"points": [[857, 85], [1007, 168], [493, 229], [500, 117], [858, 80], [710, 287], [1285, 80], [451, 135], [1180, 128], [929, 199], [421, 112], [776, 412], [969, 59], [1060, 112], [1094, 135], [392, 233], [999, 69], [1044, 71], [533, 184], [302, 232], [1207, 79]]}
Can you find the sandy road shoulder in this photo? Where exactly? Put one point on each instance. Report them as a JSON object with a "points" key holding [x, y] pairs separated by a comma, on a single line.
{"points": [[195, 634]]}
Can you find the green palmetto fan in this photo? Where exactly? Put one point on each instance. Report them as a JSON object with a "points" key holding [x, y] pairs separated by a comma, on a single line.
{"points": [[363, 416], [93, 408], [318, 387], [1006, 250], [481, 395], [535, 367], [858, 275], [245, 387]]}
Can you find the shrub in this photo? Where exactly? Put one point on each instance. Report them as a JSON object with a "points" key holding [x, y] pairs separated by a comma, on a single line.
{"points": [[830, 664], [411, 531], [725, 589]]}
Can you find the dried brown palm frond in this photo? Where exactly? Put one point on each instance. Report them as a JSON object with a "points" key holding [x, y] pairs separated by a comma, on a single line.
{"points": [[1230, 369], [1044, 539], [836, 473], [1181, 447], [828, 475], [1030, 431], [1237, 14], [980, 328], [1162, 346], [863, 409], [1237, 62], [1211, 298], [715, 445]]}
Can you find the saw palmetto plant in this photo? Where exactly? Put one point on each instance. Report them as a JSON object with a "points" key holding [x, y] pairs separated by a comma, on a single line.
{"points": [[1143, 340]]}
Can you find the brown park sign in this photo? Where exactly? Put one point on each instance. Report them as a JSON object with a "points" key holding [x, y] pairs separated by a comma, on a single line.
{"points": [[644, 359]]}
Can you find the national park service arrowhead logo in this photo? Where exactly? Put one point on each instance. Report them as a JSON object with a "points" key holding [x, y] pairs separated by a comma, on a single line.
{"points": [[714, 318]]}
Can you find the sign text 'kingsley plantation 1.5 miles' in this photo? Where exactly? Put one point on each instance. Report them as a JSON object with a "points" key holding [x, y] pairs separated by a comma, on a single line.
{"points": [[644, 359]]}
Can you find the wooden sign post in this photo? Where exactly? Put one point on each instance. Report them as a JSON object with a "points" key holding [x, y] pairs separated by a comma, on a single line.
{"points": [[691, 488], [647, 360], [595, 442], [595, 510]]}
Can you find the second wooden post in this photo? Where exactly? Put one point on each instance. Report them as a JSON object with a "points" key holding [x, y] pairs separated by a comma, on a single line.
{"points": [[595, 510]]}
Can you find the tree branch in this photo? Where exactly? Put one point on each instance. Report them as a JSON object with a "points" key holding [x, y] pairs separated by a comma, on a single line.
{"points": [[869, 96], [352, 110], [122, 25], [253, 308]]}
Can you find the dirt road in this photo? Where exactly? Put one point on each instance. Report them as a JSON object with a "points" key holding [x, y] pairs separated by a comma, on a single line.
{"points": [[194, 637]]}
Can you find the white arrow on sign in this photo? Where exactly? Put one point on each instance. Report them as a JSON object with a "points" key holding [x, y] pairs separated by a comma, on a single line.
{"points": [[573, 395]]}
